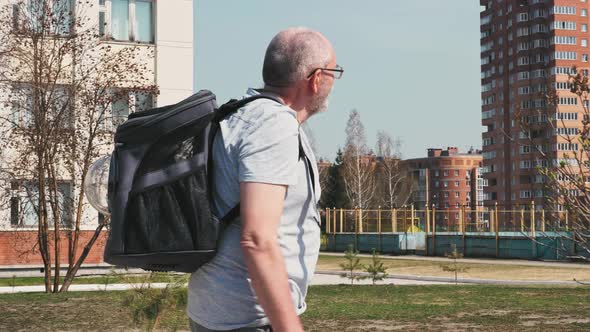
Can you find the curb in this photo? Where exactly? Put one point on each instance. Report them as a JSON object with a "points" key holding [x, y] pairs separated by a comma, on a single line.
{"points": [[461, 280]]}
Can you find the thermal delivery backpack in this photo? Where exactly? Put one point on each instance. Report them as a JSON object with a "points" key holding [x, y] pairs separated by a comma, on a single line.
{"points": [[159, 188]]}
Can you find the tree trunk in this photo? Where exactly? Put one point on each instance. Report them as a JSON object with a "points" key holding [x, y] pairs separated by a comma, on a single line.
{"points": [[72, 272]]}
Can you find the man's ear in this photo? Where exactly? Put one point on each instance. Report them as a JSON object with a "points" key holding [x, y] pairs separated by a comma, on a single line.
{"points": [[314, 82]]}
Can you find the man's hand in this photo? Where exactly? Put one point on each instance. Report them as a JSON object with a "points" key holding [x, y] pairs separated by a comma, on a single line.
{"points": [[261, 207]]}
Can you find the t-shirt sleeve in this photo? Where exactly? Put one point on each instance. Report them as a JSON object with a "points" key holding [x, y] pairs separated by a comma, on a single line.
{"points": [[269, 153]]}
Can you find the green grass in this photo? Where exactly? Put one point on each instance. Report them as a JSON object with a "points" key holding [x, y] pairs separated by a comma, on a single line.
{"points": [[336, 308], [108, 279]]}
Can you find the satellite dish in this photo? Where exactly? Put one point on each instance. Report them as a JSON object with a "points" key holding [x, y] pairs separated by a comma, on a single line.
{"points": [[96, 184]]}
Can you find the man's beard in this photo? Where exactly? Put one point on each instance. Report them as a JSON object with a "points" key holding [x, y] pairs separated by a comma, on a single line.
{"points": [[320, 102]]}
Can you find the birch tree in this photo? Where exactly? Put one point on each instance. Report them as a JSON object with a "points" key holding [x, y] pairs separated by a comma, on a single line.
{"points": [[394, 182], [358, 167]]}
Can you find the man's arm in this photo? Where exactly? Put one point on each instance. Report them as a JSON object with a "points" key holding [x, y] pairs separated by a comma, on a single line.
{"points": [[260, 211]]}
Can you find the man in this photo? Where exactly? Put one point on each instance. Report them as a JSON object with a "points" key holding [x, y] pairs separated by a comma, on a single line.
{"points": [[266, 258]]}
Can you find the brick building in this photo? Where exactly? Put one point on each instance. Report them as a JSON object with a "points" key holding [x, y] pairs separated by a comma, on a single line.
{"points": [[447, 179], [527, 49]]}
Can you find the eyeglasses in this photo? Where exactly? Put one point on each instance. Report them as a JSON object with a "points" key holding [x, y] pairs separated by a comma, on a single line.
{"points": [[337, 72]]}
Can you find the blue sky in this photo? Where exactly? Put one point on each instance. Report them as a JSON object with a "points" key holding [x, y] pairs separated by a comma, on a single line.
{"points": [[412, 68]]}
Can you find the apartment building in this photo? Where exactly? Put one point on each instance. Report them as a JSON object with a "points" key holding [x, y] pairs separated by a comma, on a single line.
{"points": [[447, 180], [528, 48], [163, 29]]}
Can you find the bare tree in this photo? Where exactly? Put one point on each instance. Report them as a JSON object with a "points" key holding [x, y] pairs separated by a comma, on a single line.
{"points": [[394, 184], [358, 169], [60, 83]]}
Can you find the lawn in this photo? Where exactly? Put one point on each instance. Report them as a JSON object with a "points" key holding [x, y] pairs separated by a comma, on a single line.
{"points": [[394, 266], [473, 270], [106, 279], [336, 308]]}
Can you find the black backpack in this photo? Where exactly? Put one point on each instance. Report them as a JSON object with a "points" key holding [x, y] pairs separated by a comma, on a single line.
{"points": [[160, 186]]}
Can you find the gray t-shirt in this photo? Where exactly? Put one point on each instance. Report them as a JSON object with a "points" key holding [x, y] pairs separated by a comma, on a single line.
{"points": [[258, 143]]}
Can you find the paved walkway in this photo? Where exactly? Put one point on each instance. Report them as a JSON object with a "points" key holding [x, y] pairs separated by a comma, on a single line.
{"points": [[320, 278], [491, 261]]}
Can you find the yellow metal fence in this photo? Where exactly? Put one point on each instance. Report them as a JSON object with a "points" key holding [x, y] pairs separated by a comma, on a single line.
{"points": [[432, 220]]}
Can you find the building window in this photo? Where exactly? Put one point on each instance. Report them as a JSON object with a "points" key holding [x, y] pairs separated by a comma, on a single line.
{"points": [[456, 173], [102, 14], [456, 194], [584, 27], [445, 184], [127, 20], [456, 183], [584, 12], [24, 204], [585, 57], [584, 43], [446, 194], [436, 173], [125, 102], [436, 184]]}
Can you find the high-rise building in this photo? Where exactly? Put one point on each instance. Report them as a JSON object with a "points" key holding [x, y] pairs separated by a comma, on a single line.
{"points": [[528, 48]]}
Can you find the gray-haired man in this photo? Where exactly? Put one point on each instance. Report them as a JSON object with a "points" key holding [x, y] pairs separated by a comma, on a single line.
{"points": [[266, 259]]}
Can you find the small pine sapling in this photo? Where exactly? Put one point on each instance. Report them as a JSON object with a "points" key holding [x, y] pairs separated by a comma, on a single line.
{"points": [[377, 271], [353, 262]]}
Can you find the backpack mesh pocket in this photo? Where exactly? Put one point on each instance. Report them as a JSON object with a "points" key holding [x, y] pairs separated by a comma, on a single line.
{"points": [[172, 217]]}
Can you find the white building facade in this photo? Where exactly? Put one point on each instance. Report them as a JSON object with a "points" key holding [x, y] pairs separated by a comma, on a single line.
{"points": [[163, 28]]}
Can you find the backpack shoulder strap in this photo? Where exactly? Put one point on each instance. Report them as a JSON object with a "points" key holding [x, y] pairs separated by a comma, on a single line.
{"points": [[224, 110], [234, 105]]}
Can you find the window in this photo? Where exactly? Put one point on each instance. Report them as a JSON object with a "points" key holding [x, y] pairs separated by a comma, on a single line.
{"points": [[566, 131], [446, 194], [456, 172], [584, 27], [564, 55], [24, 204], [127, 20], [456, 183], [563, 25], [566, 116], [143, 21], [126, 102], [102, 11], [567, 147], [563, 40], [567, 101], [456, 194], [436, 184], [143, 101], [585, 57], [584, 12], [445, 184], [563, 70], [57, 101], [436, 173], [584, 42], [563, 10], [446, 173]]}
